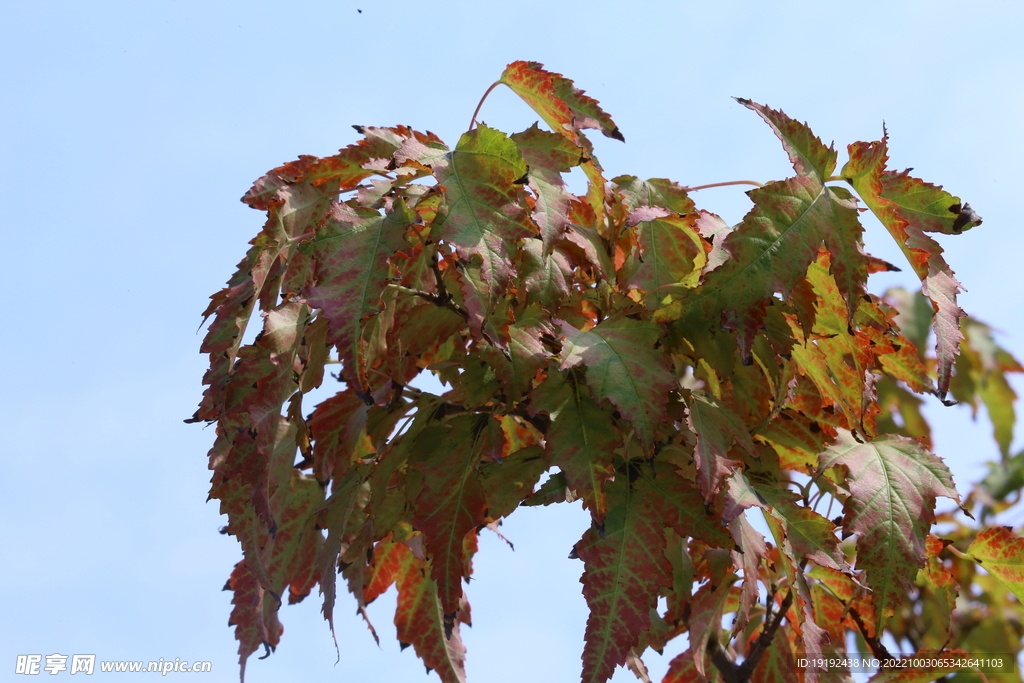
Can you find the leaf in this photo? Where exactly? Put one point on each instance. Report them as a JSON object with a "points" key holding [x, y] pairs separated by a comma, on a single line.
{"points": [[717, 428], [254, 627], [683, 669], [654, 192], [338, 426], [866, 172], [806, 151], [1001, 553], [778, 665], [623, 366], [508, 482], [926, 206], [418, 615], [548, 156], [567, 110], [772, 248], [297, 543], [526, 353], [447, 498], [811, 535], [893, 485], [581, 440], [673, 255], [942, 593], [485, 214], [626, 566], [750, 551], [562, 106], [706, 616], [680, 506], [344, 517], [340, 172], [352, 247], [546, 277], [981, 373]]}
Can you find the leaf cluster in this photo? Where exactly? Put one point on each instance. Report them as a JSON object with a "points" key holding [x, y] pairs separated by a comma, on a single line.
{"points": [[623, 348]]}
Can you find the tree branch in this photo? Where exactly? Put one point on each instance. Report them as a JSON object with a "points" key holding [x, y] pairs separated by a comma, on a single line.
{"points": [[740, 673]]}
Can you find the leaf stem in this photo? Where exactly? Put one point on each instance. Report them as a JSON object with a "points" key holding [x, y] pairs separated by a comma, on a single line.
{"points": [[959, 553], [472, 122], [731, 182]]}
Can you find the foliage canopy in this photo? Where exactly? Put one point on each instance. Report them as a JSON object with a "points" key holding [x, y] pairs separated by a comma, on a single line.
{"points": [[674, 373]]}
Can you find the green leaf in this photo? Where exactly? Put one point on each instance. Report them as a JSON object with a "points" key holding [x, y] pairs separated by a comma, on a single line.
{"points": [[810, 535], [772, 248], [654, 192], [893, 484], [672, 256], [806, 151], [927, 207], [981, 373], [508, 482], [624, 367], [581, 439], [486, 214], [546, 277]]}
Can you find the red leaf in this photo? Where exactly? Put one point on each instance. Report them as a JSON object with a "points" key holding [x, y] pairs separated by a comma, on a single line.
{"points": [[254, 625], [352, 247], [717, 428], [562, 106], [418, 616], [626, 567], [293, 554], [339, 433], [681, 506], [866, 172], [447, 498], [341, 171], [683, 669], [548, 156]]}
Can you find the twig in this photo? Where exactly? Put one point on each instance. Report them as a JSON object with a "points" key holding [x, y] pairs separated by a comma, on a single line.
{"points": [[731, 182]]}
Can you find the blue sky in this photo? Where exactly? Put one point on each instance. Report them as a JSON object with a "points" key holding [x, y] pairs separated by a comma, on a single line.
{"points": [[130, 130]]}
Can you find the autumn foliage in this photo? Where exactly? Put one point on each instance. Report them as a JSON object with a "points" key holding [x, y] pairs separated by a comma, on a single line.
{"points": [[678, 375]]}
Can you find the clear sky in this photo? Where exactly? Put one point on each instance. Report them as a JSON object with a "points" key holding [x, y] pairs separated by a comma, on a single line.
{"points": [[128, 131]]}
